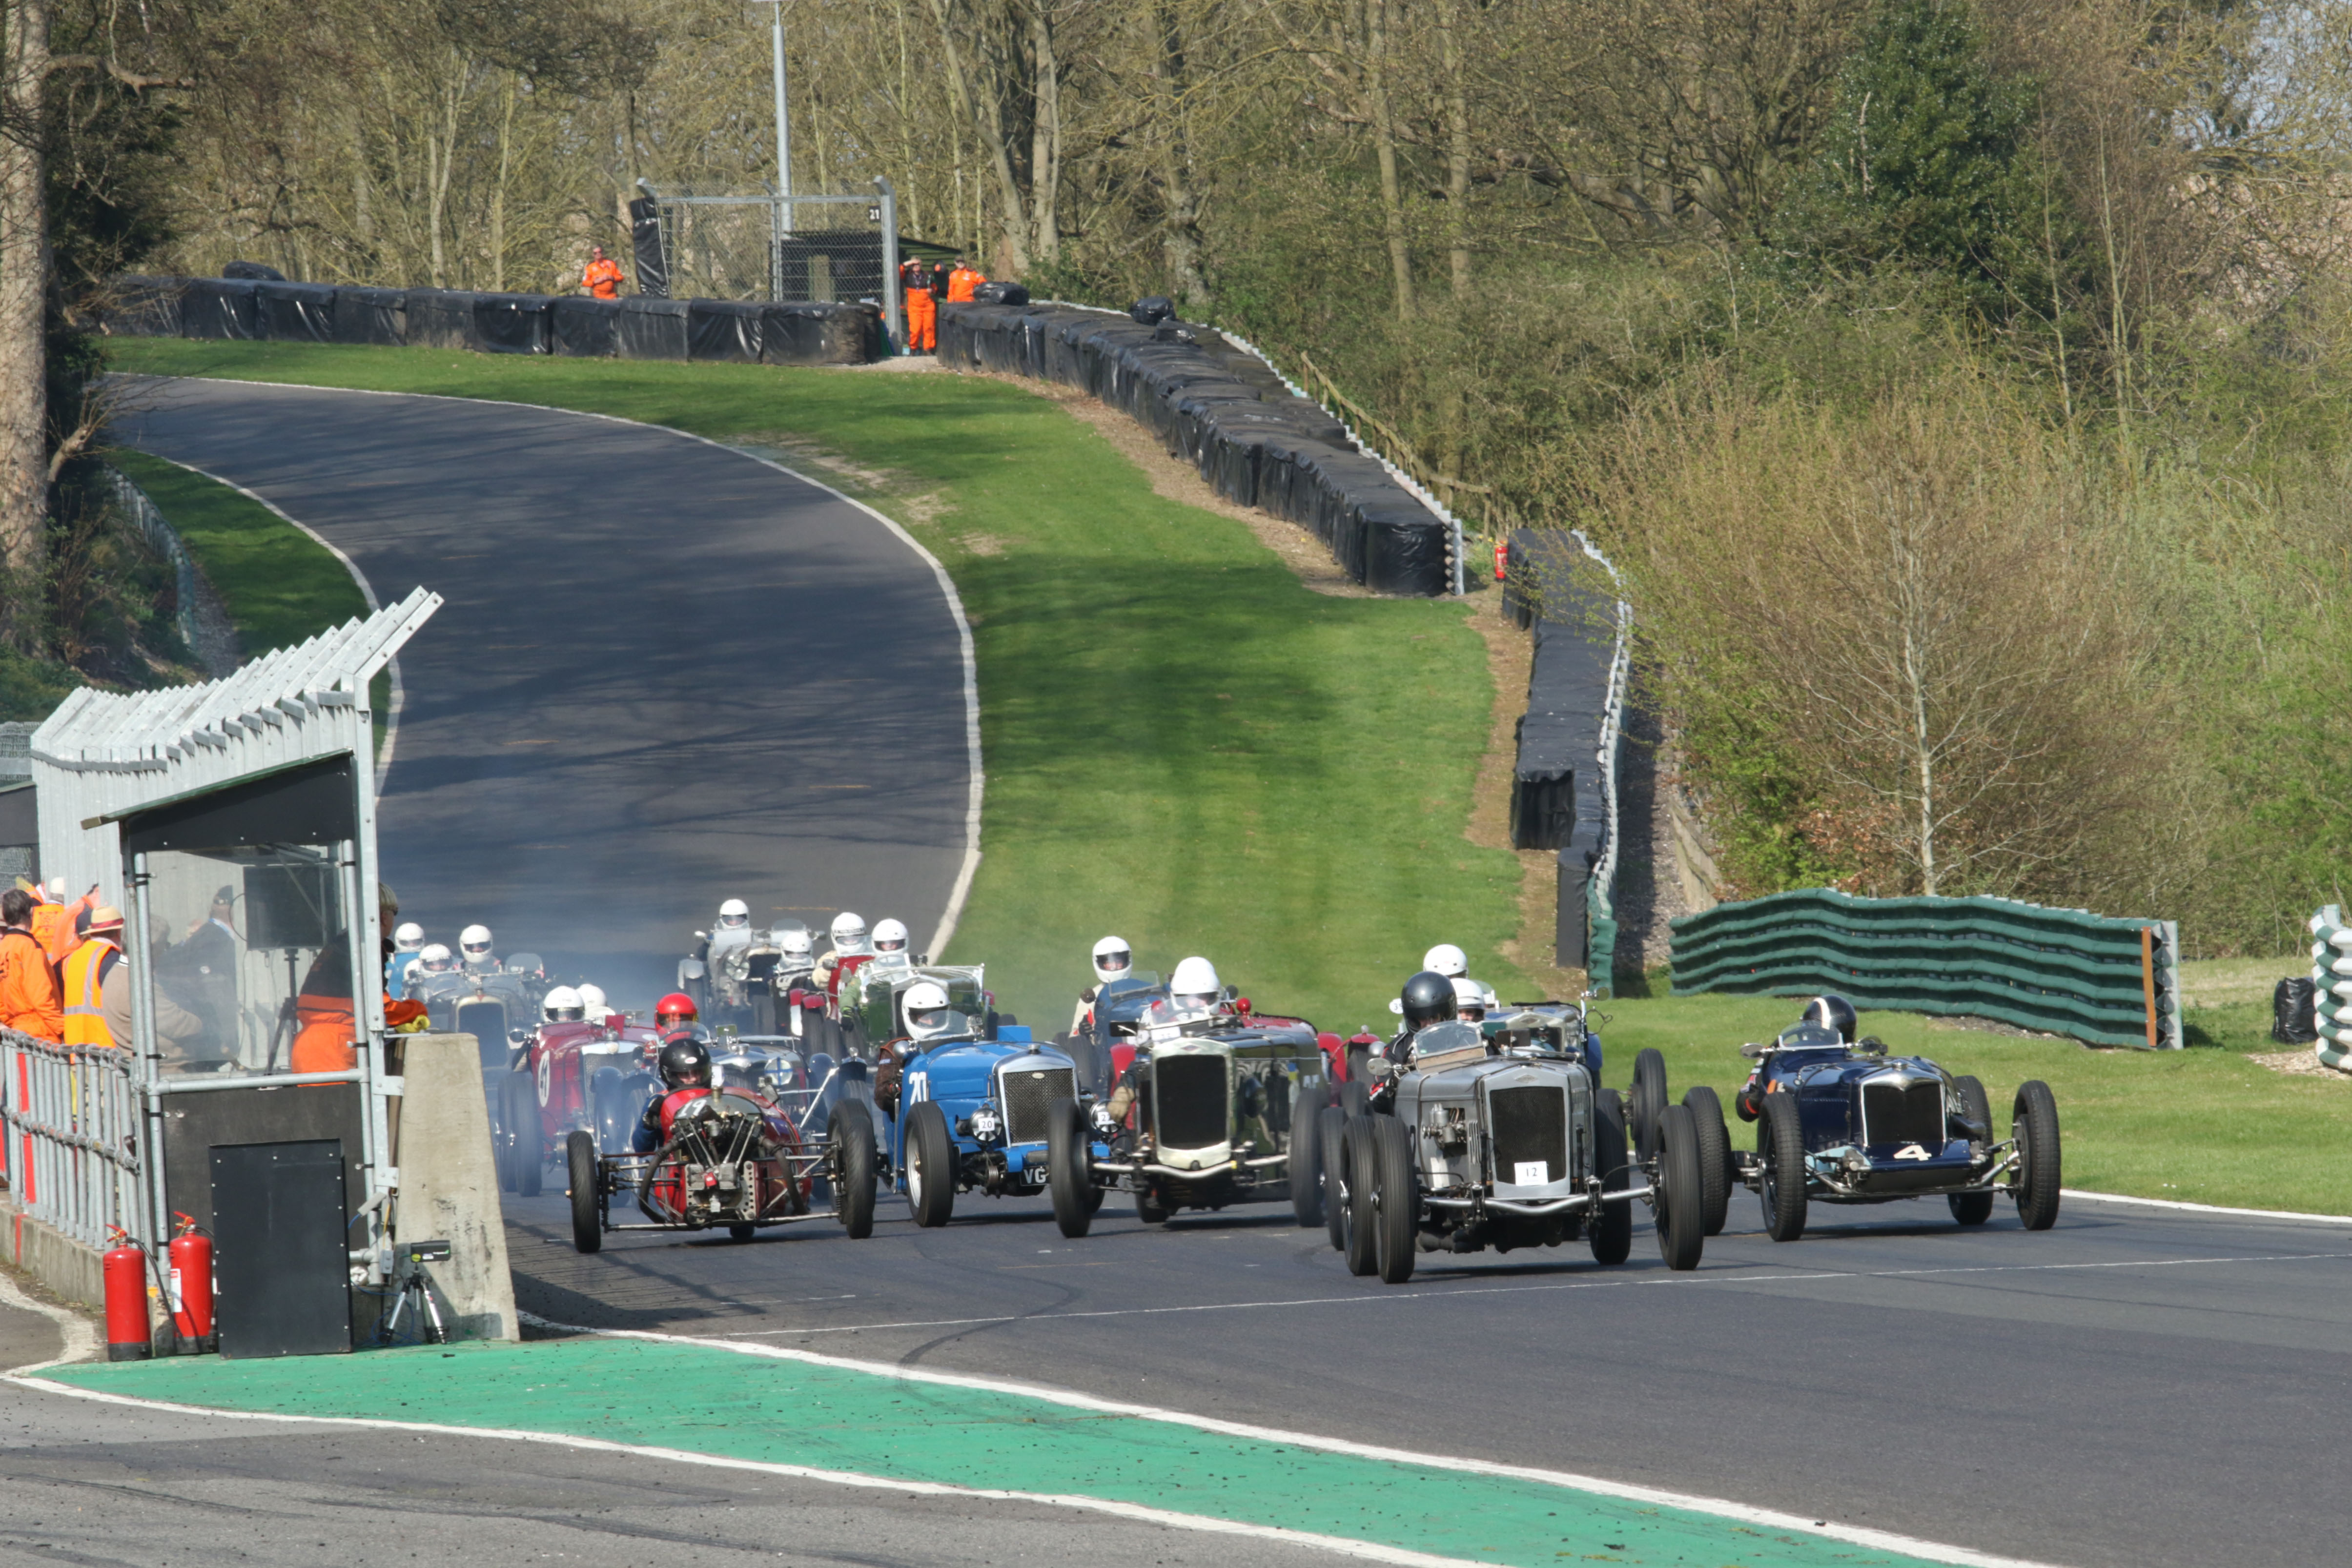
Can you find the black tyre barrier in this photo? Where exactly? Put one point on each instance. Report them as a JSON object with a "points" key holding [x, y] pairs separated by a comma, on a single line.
{"points": [[582, 328], [1225, 411], [440, 319], [376, 317], [220, 308], [822, 334], [726, 330], [2294, 1012], [295, 312], [510, 324], [652, 329], [145, 307]]}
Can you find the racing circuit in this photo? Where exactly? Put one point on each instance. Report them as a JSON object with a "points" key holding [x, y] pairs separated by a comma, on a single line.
{"points": [[2139, 1385]]}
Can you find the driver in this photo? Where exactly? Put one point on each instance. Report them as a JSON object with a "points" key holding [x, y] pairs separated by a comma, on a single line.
{"points": [[595, 1007], [929, 1018], [890, 944], [675, 1014], [1828, 1011], [848, 942], [1450, 961], [1193, 990], [794, 952], [407, 942], [433, 959], [1428, 997], [685, 1068], [561, 1005], [474, 942], [1469, 1000], [1114, 960]]}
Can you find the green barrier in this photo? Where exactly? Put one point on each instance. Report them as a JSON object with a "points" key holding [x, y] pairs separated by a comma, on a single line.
{"points": [[2055, 971]]}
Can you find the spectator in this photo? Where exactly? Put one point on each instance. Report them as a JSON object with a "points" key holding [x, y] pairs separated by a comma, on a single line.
{"points": [[603, 278], [105, 1019], [327, 1039], [54, 920], [965, 278], [201, 972], [28, 986]]}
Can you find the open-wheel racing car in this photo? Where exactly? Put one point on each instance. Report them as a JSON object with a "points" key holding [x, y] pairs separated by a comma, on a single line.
{"points": [[1840, 1121], [1499, 1135], [565, 1076], [1207, 1112], [1114, 1018]]}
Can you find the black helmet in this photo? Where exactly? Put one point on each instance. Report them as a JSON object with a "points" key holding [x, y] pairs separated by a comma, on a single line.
{"points": [[1831, 1012], [686, 1063], [1428, 998]]}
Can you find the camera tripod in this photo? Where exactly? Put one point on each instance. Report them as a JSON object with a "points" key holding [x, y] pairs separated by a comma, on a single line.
{"points": [[416, 1290]]}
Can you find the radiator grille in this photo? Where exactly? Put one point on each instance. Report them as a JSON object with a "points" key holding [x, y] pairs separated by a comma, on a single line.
{"points": [[1528, 1125], [1190, 1093], [1896, 1112], [1027, 1093]]}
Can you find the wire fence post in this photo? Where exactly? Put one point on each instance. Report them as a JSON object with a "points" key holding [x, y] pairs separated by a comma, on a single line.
{"points": [[891, 305]]}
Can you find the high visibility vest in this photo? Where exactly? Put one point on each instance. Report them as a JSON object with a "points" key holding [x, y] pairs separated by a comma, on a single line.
{"points": [[85, 982]]}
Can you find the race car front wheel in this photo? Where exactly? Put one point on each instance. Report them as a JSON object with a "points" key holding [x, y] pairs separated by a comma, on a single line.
{"points": [[1780, 1139], [1713, 1154], [1648, 1101], [1306, 1157], [1612, 1223], [1396, 1198], [1331, 1129], [930, 1164], [1678, 1207], [851, 1133], [2034, 1125], [587, 1203], [520, 1104], [1360, 1157], [1972, 1207], [1066, 1149]]}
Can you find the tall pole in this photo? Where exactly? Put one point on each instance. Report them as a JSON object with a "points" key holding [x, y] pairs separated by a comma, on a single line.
{"points": [[783, 125]]}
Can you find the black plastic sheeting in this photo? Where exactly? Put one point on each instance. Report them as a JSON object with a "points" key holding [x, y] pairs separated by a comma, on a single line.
{"points": [[994, 293], [145, 308], [253, 272], [727, 330], [377, 316], [510, 324], [652, 329], [1224, 410], [645, 240], [220, 308], [583, 328], [818, 334], [297, 312], [1559, 738], [2294, 1012], [440, 319]]}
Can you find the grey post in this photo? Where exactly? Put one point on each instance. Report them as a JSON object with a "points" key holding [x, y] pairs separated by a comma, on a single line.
{"points": [[891, 305]]}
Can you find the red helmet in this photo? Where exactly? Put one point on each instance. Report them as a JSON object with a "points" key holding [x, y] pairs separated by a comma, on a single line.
{"points": [[674, 1008]]}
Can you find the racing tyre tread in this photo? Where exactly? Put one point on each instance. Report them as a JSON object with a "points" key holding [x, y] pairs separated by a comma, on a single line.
{"points": [[1362, 1248], [1972, 1207], [1331, 1129], [2034, 1125], [1066, 1153], [523, 1134], [1649, 1099], [1714, 1155], [1611, 1229], [1395, 1198], [587, 1205], [1306, 1157], [1679, 1215], [930, 1165], [1780, 1139], [851, 1133]]}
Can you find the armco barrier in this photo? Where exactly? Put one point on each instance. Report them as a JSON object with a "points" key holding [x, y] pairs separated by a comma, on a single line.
{"points": [[72, 1130], [633, 328], [2331, 979], [1219, 406], [2059, 971]]}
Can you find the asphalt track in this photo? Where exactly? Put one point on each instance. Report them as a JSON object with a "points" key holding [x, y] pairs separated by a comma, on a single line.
{"points": [[2133, 1387], [665, 674]]}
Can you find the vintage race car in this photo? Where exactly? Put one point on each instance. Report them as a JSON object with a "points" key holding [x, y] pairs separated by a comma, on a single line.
{"points": [[870, 1003], [1205, 1112], [566, 1076], [732, 977], [730, 1157], [497, 1008], [1840, 1122], [971, 1115], [1499, 1135], [1113, 1019]]}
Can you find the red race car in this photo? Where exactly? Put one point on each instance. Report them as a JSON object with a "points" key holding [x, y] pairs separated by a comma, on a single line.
{"points": [[569, 1076]]}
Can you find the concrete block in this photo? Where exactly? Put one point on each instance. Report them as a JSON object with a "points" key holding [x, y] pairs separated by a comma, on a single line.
{"points": [[450, 1183], [67, 1266]]}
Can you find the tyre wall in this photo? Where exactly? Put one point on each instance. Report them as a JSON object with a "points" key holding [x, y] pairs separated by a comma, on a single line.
{"points": [[2056, 971], [632, 328], [2331, 982]]}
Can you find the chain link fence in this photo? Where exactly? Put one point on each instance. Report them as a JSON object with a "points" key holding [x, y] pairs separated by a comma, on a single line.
{"points": [[780, 249]]}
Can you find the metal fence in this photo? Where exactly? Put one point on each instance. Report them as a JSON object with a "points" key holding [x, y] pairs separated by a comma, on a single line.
{"points": [[72, 1120], [781, 249]]}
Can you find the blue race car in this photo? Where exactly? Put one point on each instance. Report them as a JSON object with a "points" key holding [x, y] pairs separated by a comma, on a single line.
{"points": [[970, 1115], [1840, 1121]]}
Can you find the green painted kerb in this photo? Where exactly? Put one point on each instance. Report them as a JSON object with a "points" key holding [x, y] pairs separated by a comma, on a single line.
{"points": [[716, 1402]]}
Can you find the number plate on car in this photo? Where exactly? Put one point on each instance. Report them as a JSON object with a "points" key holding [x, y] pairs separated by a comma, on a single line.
{"points": [[1531, 1173]]}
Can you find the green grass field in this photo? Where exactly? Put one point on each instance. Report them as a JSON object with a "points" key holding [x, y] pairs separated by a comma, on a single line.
{"points": [[1187, 748]]}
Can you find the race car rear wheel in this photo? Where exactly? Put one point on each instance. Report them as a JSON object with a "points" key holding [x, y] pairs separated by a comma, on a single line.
{"points": [[1780, 1139], [1330, 1131], [2034, 1125], [1306, 1155], [1067, 1158], [1611, 1229], [1396, 1198], [1649, 1099], [1714, 1155], [1359, 1153], [930, 1164], [526, 1150], [1356, 1097], [851, 1133], [1678, 1212], [587, 1203]]}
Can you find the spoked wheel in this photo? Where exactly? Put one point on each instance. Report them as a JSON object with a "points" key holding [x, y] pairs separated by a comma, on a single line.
{"points": [[851, 1133], [1679, 1209], [1780, 1139], [1361, 1245], [1611, 1229], [1306, 1157], [587, 1203], [1714, 1155], [2034, 1125], [1330, 1134], [1972, 1207], [1396, 1198], [1067, 1157], [930, 1164], [1649, 1100]]}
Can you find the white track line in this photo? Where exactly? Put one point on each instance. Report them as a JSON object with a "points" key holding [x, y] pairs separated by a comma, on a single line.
{"points": [[962, 890], [1719, 1507], [80, 1339], [2206, 1207]]}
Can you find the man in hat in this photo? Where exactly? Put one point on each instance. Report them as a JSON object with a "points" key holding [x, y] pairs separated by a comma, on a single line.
{"points": [[98, 990]]}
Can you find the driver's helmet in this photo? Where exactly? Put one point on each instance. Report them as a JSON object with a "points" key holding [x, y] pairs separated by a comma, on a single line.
{"points": [[1831, 1012], [890, 942], [408, 937], [592, 1005], [1428, 998], [474, 942], [926, 1008], [849, 934], [1194, 988], [792, 942], [561, 1005], [676, 1007], [1114, 960], [1446, 960], [1469, 1000], [685, 1063], [436, 958], [734, 915]]}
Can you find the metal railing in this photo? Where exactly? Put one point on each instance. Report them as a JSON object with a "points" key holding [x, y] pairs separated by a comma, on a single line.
{"points": [[784, 249], [73, 1124]]}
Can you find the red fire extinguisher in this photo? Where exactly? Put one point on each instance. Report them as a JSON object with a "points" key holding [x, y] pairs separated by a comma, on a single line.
{"points": [[126, 1299], [1502, 561], [190, 1276]]}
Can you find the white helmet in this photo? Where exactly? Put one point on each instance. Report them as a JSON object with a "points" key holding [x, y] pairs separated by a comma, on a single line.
{"points": [[474, 941], [1195, 984], [561, 1005], [1447, 960], [734, 915], [407, 937], [925, 1006], [436, 958], [890, 939], [592, 1005], [1469, 1000], [794, 942], [848, 933], [1113, 959]]}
